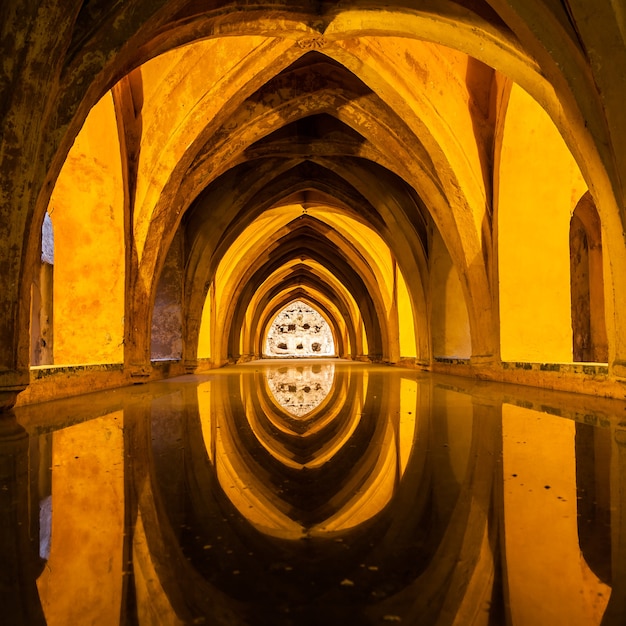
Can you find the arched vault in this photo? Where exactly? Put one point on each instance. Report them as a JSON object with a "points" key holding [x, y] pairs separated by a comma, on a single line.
{"points": [[385, 114]]}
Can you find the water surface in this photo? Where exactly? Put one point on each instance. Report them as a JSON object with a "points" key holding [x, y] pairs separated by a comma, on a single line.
{"points": [[317, 492]]}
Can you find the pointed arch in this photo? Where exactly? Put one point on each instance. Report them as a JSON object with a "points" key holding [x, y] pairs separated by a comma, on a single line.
{"points": [[587, 283], [298, 330]]}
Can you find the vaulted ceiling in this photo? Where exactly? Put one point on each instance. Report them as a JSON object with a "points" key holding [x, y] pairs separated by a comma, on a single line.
{"points": [[307, 149]]}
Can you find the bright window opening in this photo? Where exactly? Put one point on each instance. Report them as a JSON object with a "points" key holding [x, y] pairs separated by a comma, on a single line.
{"points": [[299, 331]]}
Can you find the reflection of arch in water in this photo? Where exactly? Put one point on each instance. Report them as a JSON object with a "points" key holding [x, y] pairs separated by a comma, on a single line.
{"points": [[329, 426], [301, 389], [335, 470], [405, 529], [299, 330], [455, 563]]}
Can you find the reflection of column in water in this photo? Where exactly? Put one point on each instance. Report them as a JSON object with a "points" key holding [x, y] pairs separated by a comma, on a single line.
{"points": [[593, 488], [18, 590], [616, 610]]}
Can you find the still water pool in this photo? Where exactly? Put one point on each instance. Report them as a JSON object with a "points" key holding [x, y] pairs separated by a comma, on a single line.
{"points": [[315, 493]]}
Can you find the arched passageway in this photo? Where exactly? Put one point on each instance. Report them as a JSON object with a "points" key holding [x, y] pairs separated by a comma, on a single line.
{"points": [[587, 278], [220, 151], [442, 183]]}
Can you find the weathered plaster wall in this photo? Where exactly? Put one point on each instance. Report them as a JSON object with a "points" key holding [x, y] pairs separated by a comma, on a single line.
{"points": [[87, 213], [167, 317], [583, 349], [587, 258]]}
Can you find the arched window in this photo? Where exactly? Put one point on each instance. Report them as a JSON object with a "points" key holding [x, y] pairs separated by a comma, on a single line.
{"points": [[299, 331]]}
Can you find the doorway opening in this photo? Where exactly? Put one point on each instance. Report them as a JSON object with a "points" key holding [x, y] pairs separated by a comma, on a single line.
{"points": [[41, 304], [589, 336]]}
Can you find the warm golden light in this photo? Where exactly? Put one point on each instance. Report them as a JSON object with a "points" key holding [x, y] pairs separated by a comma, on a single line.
{"points": [[201, 482], [270, 276]]}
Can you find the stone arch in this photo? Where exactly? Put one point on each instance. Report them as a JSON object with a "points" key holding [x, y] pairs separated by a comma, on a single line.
{"points": [[358, 281], [568, 93], [524, 67], [469, 284], [288, 194]]}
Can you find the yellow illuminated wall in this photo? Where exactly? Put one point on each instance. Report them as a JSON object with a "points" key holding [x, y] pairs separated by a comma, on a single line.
{"points": [[204, 341], [539, 187], [87, 213], [406, 319]]}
